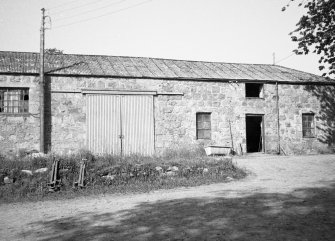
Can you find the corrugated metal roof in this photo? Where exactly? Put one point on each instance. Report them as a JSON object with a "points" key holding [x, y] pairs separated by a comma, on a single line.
{"points": [[140, 67]]}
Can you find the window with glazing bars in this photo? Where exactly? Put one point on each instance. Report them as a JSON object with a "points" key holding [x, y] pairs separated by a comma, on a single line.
{"points": [[308, 126], [14, 100], [203, 125]]}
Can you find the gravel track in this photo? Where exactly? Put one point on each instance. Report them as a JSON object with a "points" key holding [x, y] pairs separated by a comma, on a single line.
{"points": [[283, 198]]}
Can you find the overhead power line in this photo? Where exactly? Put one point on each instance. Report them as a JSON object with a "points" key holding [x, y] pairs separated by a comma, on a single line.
{"points": [[79, 6], [285, 58], [102, 15], [62, 5], [89, 11]]}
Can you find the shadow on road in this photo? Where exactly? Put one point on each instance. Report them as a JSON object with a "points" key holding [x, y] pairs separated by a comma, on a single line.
{"points": [[305, 214]]}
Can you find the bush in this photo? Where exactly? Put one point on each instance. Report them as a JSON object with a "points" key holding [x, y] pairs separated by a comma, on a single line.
{"points": [[108, 173]]}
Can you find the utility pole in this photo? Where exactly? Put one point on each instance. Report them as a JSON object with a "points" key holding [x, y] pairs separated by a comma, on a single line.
{"points": [[278, 121], [274, 58], [42, 31]]}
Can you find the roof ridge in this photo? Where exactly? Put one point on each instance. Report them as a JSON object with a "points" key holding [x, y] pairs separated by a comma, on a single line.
{"points": [[139, 57], [179, 68], [300, 71]]}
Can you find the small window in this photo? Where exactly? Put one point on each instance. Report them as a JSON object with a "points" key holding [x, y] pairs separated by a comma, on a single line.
{"points": [[14, 100], [203, 125], [308, 125], [254, 90]]}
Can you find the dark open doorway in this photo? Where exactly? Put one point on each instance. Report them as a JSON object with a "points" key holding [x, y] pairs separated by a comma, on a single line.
{"points": [[254, 133]]}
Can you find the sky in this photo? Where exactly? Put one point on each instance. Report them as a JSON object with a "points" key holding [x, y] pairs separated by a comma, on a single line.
{"points": [[233, 31]]}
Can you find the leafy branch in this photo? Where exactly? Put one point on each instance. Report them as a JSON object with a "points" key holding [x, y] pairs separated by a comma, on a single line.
{"points": [[315, 32]]}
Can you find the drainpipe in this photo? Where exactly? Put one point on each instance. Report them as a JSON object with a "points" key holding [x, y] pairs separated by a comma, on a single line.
{"points": [[42, 146], [121, 133], [231, 137], [278, 125]]}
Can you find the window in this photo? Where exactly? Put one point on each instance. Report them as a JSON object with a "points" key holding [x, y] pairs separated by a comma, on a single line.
{"points": [[14, 100], [254, 90], [203, 125], [308, 126]]}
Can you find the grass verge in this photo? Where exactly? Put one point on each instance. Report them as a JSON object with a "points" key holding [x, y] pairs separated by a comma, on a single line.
{"points": [[111, 174]]}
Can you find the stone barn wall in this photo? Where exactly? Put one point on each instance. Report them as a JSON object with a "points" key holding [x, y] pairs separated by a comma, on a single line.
{"points": [[19, 131], [175, 108]]}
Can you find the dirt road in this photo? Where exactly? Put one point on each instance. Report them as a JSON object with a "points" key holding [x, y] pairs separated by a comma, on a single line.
{"points": [[285, 198]]}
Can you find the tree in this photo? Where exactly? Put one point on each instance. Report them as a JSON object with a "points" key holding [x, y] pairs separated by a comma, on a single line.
{"points": [[54, 51], [316, 32]]}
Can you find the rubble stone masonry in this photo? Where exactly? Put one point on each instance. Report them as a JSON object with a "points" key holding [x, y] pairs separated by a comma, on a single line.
{"points": [[175, 108]]}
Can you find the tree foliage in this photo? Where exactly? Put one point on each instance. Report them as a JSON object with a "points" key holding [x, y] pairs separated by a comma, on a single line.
{"points": [[54, 51], [316, 32]]}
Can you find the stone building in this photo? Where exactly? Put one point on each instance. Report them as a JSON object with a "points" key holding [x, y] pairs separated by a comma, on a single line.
{"points": [[146, 105]]}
